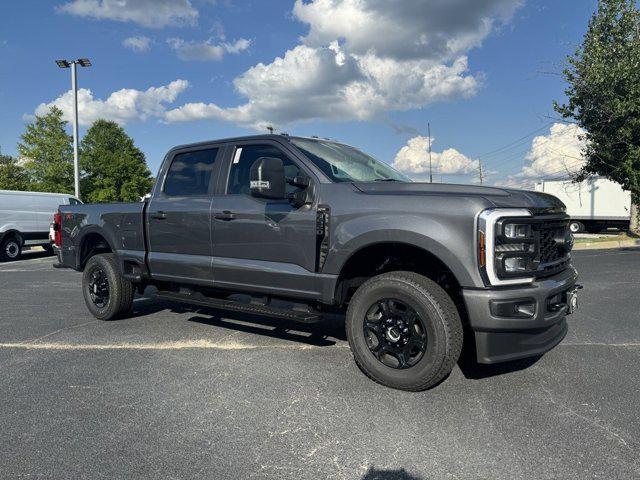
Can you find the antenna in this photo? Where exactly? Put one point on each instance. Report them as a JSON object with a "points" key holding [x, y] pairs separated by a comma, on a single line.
{"points": [[430, 170]]}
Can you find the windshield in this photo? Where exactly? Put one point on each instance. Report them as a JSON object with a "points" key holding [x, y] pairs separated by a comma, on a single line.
{"points": [[342, 163]]}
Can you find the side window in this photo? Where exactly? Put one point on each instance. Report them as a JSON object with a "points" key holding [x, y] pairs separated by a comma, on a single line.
{"points": [[190, 173], [74, 201], [243, 159]]}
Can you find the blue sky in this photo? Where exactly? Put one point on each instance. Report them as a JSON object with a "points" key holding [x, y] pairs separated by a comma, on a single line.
{"points": [[339, 54]]}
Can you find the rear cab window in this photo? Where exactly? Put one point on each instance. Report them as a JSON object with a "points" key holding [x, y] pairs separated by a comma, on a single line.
{"points": [[190, 173]]}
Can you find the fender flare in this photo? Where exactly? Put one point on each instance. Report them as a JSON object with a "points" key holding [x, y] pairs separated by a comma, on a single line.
{"points": [[79, 241], [338, 259]]}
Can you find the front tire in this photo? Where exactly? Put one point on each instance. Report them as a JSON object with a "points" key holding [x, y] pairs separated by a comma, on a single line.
{"points": [[10, 249], [404, 331], [106, 293]]}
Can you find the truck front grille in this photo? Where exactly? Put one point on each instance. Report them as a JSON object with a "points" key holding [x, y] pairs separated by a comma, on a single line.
{"points": [[552, 254]]}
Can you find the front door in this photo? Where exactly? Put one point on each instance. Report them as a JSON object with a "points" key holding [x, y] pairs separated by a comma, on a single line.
{"points": [[179, 218], [259, 243]]}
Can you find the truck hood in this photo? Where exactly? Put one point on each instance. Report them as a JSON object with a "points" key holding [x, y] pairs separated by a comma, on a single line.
{"points": [[538, 202]]}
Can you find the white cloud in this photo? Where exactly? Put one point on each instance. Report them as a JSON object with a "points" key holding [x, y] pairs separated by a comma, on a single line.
{"points": [[148, 13], [425, 29], [124, 106], [362, 58], [558, 154], [203, 51], [137, 44], [326, 83], [413, 159]]}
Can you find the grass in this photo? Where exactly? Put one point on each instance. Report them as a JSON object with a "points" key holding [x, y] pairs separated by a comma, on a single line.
{"points": [[596, 238]]}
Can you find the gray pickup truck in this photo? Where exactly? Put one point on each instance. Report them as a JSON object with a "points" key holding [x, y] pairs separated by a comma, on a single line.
{"points": [[297, 227]]}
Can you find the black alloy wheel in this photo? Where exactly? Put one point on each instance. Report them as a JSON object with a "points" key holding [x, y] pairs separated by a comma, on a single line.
{"points": [[98, 286], [395, 333]]}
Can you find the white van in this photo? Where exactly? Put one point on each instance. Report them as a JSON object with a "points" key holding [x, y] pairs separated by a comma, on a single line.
{"points": [[25, 218]]}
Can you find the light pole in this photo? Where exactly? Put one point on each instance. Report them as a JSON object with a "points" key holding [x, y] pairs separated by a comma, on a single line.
{"points": [[83, 62]]}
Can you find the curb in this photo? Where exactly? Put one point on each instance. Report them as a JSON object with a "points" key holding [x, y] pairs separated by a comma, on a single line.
{"points": [[631, 242]]}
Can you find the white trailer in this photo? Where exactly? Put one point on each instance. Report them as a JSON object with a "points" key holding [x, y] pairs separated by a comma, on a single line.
{"points": [[594, 204]]}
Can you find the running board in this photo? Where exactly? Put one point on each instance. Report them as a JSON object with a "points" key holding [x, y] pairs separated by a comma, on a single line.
{"points": [[229, 305]]}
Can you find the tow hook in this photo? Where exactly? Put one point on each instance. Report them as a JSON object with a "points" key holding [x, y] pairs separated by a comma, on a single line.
{"points": [[570, 300]]}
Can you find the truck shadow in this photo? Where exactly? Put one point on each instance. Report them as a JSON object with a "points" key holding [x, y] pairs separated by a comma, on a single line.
{"points": [[473, 370], [322, 334], [399, 474], [326, 333]]}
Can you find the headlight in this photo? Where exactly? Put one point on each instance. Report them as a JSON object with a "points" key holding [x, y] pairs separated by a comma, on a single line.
{"points": [[507, 246], [515, 231], [516, 264]]}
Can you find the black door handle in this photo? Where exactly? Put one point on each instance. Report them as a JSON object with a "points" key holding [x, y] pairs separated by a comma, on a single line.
{"points": [[226, 216], [159, 215]]}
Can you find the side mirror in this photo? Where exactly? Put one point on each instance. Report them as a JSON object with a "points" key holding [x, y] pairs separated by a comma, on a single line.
{"points": [[267, 178]]}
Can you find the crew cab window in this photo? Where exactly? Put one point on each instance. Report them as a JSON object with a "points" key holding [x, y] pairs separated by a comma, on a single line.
{"points": [[74, 201], [243, 159], [190, 173]]}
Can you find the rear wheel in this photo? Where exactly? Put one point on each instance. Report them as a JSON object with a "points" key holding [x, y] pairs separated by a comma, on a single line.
{"points": [[11, 248], [576, 227], [404, 331], [106, 293]]}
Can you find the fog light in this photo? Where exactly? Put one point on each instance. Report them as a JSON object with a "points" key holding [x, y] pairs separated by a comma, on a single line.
{"points": [[525, 308], [515, 264]]}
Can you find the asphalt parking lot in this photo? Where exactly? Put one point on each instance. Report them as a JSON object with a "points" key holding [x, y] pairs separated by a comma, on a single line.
{"points": [[178, 392]]}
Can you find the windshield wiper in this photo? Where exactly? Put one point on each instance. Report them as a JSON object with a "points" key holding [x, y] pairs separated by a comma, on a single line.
{"points": [[386, 180]]}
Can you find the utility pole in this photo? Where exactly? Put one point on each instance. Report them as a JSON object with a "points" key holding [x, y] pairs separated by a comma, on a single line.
{"points": [[480, 171], [430, 167], [83, 62]]}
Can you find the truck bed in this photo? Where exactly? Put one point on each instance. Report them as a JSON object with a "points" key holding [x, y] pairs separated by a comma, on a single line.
{"points": [[122, 225]]}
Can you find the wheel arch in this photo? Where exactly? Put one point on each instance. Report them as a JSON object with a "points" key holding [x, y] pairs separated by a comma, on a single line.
{"points": [[11, 232], [92, 242], [383, 256]]}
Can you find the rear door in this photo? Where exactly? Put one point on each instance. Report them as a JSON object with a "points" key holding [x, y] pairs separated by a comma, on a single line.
{"points": [[179, 216]]}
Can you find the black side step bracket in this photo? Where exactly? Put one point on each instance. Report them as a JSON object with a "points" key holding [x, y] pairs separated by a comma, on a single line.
{"points": [[196, 298]]}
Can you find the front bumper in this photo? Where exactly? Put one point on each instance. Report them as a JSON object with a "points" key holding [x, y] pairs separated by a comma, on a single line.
{"points": [[504, 338]]}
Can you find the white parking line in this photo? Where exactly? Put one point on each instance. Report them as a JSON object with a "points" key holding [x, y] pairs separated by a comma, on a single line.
{"points": [[177, 345]]}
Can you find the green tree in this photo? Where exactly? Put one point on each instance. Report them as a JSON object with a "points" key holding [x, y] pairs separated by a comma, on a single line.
{"points": [[49, 151], [12, 175], [114, 169], [604, 95]]}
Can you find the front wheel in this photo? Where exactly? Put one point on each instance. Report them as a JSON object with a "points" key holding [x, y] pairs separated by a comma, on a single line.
{"points": [[106, 293], [404, 331]]}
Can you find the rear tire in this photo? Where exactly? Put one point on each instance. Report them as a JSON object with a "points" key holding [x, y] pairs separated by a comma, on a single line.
{"points": [[106, 293], [576, 227], [11, 248], [373, 328]]}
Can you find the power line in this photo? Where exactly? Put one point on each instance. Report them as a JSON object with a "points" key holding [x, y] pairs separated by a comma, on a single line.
{"points": [[492, 152]]}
